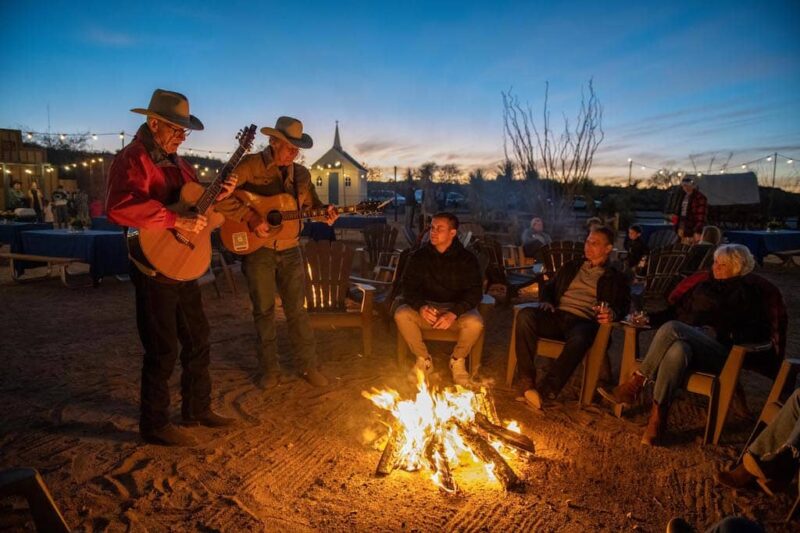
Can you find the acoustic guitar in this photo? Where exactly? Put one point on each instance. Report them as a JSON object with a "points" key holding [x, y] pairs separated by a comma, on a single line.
{"points": [[282, 217], [180, 255]]}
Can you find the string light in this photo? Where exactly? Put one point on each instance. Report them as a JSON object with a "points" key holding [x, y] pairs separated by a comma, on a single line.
{"points": [[62, 136], [94, 136], [30, 135]]}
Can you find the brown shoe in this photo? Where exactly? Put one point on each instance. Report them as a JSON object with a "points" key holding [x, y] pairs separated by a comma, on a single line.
{"points": [[209, 419], [315, 377], [737, 478], [267, 380], [656, 425], [169, 435], [624, 393]]}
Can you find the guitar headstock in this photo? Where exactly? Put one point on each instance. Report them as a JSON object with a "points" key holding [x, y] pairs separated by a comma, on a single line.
{"points": [[245, 136]]}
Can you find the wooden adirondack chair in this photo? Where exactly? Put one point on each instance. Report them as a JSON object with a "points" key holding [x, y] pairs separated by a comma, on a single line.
{"points": [[661, 276], [719, 388], [552, 349], [387, 289], [662, 238], [513, 278], [327, 268], [775, 401], [378, 238]]}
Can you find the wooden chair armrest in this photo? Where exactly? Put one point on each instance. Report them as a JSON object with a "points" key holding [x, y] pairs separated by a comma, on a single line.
{"points": [[364, 287], [754, 347], [366, 282]]}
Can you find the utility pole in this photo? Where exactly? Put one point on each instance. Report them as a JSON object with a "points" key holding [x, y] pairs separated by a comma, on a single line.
{"points": [[630, 171], [395, 193], [772, 192]]}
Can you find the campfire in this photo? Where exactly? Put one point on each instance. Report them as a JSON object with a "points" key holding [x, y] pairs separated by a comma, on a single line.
{"points": [[439, 431]]}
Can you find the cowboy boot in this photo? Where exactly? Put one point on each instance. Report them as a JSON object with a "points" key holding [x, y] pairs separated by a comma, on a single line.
{"points": [[624, 393], [656, 425], [736, 478]]}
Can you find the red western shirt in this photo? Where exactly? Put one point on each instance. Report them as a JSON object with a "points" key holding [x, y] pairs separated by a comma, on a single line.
{"points": [[142, 181]]}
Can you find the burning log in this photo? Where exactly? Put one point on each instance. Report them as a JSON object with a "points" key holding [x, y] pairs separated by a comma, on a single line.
{"points": [[517, 440], [394, 443], [487, 454], [486, 406], [434, 452]]}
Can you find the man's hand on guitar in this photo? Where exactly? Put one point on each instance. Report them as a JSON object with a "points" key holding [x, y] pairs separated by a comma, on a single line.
{"points": [[331, 215], [228, 186], [257, 225], [191, 223]]}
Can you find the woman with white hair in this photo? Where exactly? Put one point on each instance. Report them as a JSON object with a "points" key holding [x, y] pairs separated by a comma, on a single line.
{"points": [[713, 316]]}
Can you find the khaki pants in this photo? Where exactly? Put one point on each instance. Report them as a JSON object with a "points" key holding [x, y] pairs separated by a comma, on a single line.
{"points": [[410, 325]]}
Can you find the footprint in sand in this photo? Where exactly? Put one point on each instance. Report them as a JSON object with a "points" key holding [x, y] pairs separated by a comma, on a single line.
{"points": [[128, 479]]}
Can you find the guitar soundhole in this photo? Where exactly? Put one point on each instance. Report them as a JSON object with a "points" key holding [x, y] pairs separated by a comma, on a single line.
{"points": [[274, 218]]}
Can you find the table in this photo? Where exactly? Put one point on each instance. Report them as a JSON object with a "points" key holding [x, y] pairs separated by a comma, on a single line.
{"points": [[648, 228], [10, 231], [101, 223], [105, 251], [357, 221], [762, 243]]}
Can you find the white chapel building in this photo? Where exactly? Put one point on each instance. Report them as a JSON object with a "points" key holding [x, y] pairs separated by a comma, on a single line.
{"points": [[338, 177]]}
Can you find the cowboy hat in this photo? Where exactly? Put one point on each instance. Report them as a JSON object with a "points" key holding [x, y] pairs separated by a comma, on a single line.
{"points": [[170, 107], [290, 130]]}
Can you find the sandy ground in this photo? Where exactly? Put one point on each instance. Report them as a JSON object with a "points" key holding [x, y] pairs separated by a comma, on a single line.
{"points": [[303, 459]]}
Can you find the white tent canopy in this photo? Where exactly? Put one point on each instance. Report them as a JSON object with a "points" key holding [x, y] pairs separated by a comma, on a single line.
{"points": [[729, 189]]}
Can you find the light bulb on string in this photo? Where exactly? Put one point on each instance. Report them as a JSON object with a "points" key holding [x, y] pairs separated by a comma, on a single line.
{"points": [[30, 135], [62, 136], [769, 158], [94, 136], [790, 161], [744, 166]]}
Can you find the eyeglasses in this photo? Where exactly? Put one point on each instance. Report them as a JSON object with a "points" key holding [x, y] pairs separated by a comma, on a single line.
{"points": [[176, 131]]}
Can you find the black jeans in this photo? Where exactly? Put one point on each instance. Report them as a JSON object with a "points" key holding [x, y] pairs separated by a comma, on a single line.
{"points": [[579, 334], [165, 314]]}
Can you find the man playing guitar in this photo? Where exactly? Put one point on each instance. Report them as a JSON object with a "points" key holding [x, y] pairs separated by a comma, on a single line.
{"points": [[277, 264], [144, 178]]}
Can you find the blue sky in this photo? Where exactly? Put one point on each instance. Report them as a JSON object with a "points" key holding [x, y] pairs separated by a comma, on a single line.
{"points": [[418, 81]]}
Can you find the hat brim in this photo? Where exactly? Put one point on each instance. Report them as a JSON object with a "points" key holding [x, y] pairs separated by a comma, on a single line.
{"points": [[303, 142], [192, 123]]}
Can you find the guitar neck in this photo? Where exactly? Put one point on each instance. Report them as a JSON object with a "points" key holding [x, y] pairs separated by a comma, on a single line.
{"points": [[213, 190], [319, 212]]}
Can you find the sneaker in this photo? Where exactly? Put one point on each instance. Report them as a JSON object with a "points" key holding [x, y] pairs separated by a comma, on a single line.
{"points": [[533, 398], [208, 419], [315, 377], [169, 435], [459, 369], [424, 365]]}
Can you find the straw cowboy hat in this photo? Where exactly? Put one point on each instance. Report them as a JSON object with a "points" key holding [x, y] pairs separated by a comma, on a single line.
{"points": [[170, 107], [290, 130]]}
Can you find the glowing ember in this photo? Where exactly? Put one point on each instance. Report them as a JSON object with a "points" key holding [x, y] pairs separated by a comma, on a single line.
{"points": [[438, 431]]}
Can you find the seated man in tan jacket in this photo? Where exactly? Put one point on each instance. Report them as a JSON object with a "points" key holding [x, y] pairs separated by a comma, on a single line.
{"points": [[278, 263]]}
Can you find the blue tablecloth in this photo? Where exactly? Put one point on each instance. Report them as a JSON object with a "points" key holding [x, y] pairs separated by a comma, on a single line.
{"points": [[318, 231], [10, 231], [102, 224], [763, 243], [357, 221], [104, 251]]}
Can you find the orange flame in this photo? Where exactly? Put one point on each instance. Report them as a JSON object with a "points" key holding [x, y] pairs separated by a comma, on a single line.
{"points": [[432, 414]]}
